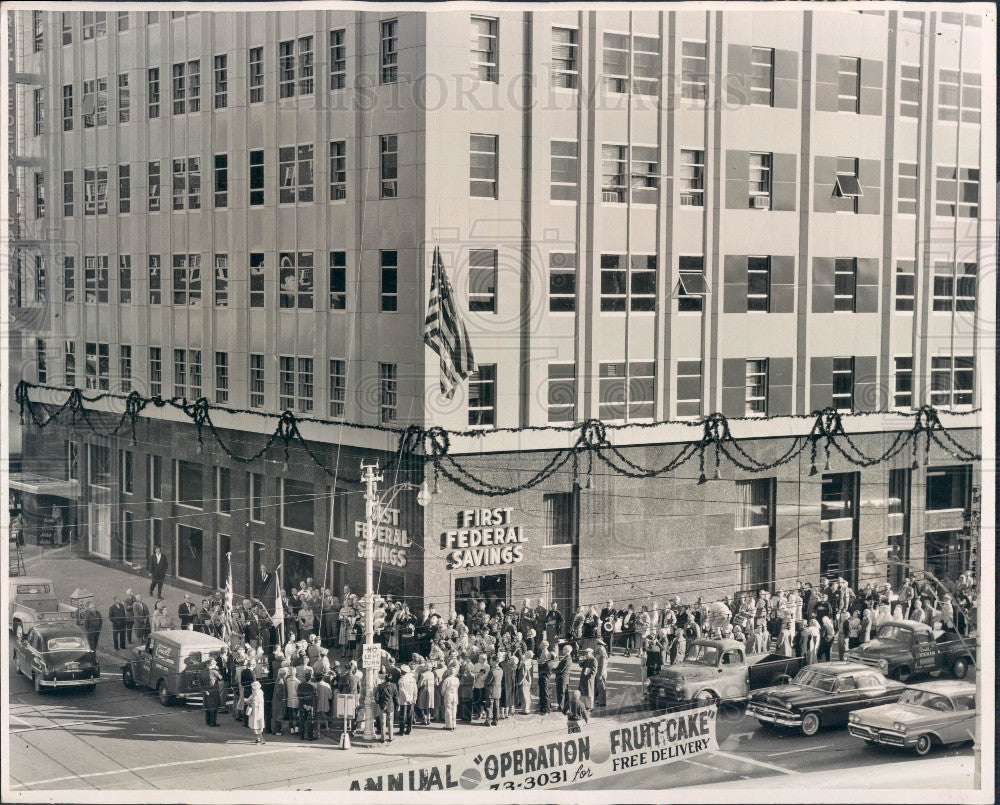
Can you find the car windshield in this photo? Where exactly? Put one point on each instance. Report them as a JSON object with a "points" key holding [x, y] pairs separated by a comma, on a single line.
{"points": [[897, 633], [67, 644], [702, 654], [810, 678], [925, 698], [34, 589]]}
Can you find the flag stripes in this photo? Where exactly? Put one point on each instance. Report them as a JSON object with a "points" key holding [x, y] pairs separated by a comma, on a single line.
{"points": [[445, 333]]}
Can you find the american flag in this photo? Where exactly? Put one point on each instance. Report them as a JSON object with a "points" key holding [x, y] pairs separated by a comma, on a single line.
{"points": [[445, 333]]}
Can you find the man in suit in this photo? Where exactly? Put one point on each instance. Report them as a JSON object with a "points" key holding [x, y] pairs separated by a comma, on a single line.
{"points": [[494, 690], [545, 662], [92, 623], [386, 702], [158, 571], [119, 623], [575, 712], [129, 603], [141, 614], [608, 616], [562, 678], [186, 612]]}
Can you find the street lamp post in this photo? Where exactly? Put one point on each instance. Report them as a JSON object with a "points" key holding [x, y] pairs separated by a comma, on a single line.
{"points": [[375, 507]]}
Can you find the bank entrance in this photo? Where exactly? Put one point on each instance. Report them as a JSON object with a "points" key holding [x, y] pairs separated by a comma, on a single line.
{"points": [[492, 589]]}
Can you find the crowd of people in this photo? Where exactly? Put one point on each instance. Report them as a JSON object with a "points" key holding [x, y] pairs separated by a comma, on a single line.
{"points": [[301, 674]]}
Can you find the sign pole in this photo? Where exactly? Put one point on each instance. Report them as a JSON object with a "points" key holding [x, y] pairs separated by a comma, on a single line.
{"points": [[371, 505]]}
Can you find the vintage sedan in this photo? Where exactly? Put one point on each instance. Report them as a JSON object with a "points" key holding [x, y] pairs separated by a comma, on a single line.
{"points": [[821, 695], [57, 655], [927, 715]]}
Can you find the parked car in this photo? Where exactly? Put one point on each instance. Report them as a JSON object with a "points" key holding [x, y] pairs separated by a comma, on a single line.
{"points": [[905, 649], [930, 714], [32, 601], [719, 671], [170, 662], [57, 655], [822, 695]]}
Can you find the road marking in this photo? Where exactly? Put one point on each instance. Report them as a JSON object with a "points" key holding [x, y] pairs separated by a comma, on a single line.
{"points": [[716, 768], [154, 766], [20, 719], [793, 751], [63, 724], [761, 763]]}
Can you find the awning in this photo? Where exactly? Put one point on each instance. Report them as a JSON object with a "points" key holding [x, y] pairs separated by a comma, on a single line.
{"points": [[35, 484]]}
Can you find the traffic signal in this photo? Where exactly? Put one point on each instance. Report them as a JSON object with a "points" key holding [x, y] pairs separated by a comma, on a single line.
{"points": [[378, 613]]}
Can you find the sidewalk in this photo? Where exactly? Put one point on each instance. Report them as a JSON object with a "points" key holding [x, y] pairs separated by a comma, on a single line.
{"points": [[69, 571]]}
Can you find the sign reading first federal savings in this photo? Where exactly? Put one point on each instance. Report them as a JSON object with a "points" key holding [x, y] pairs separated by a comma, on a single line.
{"points": [[483, 537], [549, 762]]}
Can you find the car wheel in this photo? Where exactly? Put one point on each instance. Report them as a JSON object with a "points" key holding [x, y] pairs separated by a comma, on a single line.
{"points": [[810, 724], [163, 694], [704, 697], [903, 673], [960, 668], [923, 745], [127, 678]]}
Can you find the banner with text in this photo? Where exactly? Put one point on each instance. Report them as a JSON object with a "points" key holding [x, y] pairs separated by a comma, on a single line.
{"points": [[600, 750]]}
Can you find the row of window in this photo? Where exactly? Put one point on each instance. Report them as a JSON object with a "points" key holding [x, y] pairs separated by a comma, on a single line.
{"points": [[625, 285], [630, 64], [628, 174], [295, 506], [94, 24], [946, 489], [626, 390]]}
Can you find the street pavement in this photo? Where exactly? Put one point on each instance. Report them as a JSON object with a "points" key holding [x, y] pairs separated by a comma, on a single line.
{"points": [[117, 738]]}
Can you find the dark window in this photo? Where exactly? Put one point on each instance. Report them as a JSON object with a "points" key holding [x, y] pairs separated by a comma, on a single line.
{"points": [[559, 518], [839, 495], [297, 499], [948, 487], [188, 489]]}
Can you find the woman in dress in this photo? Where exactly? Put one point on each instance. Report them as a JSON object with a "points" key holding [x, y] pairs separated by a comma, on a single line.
{"points": [[812, 641], [425, 693], [255, 713], [278, 698], [449, 697]]}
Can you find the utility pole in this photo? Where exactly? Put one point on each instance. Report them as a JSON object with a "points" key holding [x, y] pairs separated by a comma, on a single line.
{"points": [[370, 480]]}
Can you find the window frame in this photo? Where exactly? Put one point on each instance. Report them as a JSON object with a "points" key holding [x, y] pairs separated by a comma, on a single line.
{"points": [[850, 271], [388, 392], [843, 368], [566, 68], [482, 400], [761, 76], [757, 373], [388, 281], [902, 382], [480, 301], [485, 60], [562, 301], [848, 68], [486, 182], [561, 377], [388, 51]]}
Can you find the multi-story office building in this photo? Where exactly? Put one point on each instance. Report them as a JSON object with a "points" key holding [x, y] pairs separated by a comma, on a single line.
{"points": [[647, 216]]}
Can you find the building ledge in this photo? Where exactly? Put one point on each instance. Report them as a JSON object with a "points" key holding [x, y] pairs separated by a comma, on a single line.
{"points": [[530, 440]]}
